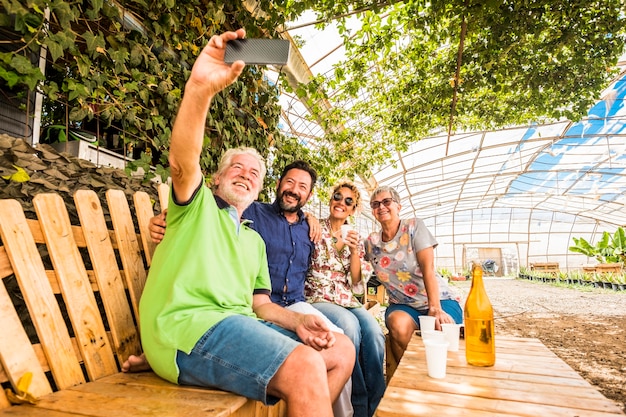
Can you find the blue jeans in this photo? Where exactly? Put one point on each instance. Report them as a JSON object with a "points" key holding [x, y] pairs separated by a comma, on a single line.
{"points": [[239, 354], [368, 378], [452, 307]]}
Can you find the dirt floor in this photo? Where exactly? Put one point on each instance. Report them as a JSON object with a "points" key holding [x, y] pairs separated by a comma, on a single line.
{"points": [[584, 327]]}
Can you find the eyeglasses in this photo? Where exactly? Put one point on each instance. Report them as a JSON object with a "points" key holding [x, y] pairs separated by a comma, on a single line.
{"points": [[338, 197], [386, 202]]}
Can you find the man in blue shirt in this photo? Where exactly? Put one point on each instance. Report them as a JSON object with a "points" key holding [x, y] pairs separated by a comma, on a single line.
{"points": [[283, 227]]}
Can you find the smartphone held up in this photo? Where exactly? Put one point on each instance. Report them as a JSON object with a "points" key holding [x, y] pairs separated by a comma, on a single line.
{"points": [[257, 51]]}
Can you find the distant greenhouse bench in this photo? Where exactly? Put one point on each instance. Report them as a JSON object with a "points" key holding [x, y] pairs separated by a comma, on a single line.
{"points": [[552, 267]]}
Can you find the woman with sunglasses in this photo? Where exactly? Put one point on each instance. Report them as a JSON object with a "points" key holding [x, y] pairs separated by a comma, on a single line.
{"points": [[403, 257], [337, 270]]}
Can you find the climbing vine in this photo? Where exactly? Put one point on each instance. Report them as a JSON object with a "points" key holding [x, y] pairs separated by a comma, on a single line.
{"points": [[124, 64]]}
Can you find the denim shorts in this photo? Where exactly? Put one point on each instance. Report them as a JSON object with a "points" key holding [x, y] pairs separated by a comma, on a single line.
{"points": [[452, 307], [239, 354]]}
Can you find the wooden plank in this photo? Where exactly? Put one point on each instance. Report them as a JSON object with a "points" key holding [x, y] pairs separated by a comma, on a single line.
{"points": [[399, 402], [150, 379], [164, 195], [54, 281], [462, 383], [556, 379], [35, 229], [6, 269], [30, 411], [40, 300], [80, 301], [278, 410], [17, 355], [128, 244], [134, 400], [144, 212], [539, 392], [107, 274]]}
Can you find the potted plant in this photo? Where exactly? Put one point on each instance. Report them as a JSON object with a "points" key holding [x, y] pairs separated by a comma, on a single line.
{"points": [[562, 277], [524, 273]]}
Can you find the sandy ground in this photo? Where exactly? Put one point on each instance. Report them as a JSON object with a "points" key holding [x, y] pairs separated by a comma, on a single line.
{"points": [[585, 327]]}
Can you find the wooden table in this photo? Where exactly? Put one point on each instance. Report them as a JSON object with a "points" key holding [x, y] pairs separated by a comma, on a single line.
{"points": [[527, 380]]}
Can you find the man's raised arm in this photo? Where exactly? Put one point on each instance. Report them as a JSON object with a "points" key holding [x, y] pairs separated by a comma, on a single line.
{"points": [[209, 75]]}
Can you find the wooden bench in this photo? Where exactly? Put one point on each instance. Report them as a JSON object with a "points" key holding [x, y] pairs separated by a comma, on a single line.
{"points": [[73, 320], [603, 268], [552, 267]]}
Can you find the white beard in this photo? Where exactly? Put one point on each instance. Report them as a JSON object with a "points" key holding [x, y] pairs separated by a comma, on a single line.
{"points": [[236, 196]]}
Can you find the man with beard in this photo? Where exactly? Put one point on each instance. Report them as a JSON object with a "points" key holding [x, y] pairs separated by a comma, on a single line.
{"points": [[283, 227], [208, 287]]}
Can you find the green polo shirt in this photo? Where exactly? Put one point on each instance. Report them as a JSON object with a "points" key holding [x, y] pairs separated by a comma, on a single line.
{"points": [[203, 271]]}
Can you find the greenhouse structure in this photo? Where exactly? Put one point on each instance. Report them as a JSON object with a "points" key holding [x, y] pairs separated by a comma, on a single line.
{"points": [[516, 196]]}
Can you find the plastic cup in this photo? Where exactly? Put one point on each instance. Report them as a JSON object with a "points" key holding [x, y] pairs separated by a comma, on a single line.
{"points": [[436, 336], [436, 358], [427, 323], [452, 334], [345, 228]]}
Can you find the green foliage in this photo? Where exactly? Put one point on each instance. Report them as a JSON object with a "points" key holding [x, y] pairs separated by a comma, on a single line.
{"points": [[521, 62], [125, 64], [609, 249], [444, 272], [126, 67]]}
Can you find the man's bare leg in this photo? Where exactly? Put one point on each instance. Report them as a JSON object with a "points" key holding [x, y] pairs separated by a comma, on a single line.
{"points": [[339, 362], [302, 381], [136, 363]]}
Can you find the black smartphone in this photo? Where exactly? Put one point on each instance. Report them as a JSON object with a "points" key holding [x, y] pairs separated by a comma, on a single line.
{"points": [[258, 51]]}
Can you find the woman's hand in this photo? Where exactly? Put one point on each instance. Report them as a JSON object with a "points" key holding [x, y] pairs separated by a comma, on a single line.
{"points": [[315, 229], [352, 241], [440, 316]]}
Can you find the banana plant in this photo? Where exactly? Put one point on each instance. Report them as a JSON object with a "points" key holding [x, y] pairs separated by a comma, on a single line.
{"points": [[609, 249]]}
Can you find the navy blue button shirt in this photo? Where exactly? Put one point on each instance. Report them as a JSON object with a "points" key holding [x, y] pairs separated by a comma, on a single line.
{"points": [[288, 247]]}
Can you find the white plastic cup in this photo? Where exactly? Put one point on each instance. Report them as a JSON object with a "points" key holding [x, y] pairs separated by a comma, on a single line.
{"points": [[436, 358], [436, 336], [452, 332], [427, 323], [345, 228]]}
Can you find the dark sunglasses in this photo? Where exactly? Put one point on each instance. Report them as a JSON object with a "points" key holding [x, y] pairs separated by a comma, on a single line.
{"points": [[338, 197], [386, 202]]}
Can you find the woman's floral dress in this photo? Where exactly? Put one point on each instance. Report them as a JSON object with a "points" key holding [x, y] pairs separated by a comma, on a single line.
{"points": [[396, 267], [328, 279]]}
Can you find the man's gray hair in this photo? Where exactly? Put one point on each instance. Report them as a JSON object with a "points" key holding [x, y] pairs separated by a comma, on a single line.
{"points": [[385, 188], [228, 156]]}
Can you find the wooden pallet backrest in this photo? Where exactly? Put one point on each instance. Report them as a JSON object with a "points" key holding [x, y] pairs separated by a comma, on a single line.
{"points": [[97, 295]]}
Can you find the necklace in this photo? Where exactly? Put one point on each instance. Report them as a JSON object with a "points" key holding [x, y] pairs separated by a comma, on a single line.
{"points": [[333, 233]]}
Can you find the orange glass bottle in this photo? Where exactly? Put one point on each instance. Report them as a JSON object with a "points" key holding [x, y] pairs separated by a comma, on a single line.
{"points": [[480, 345]]}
